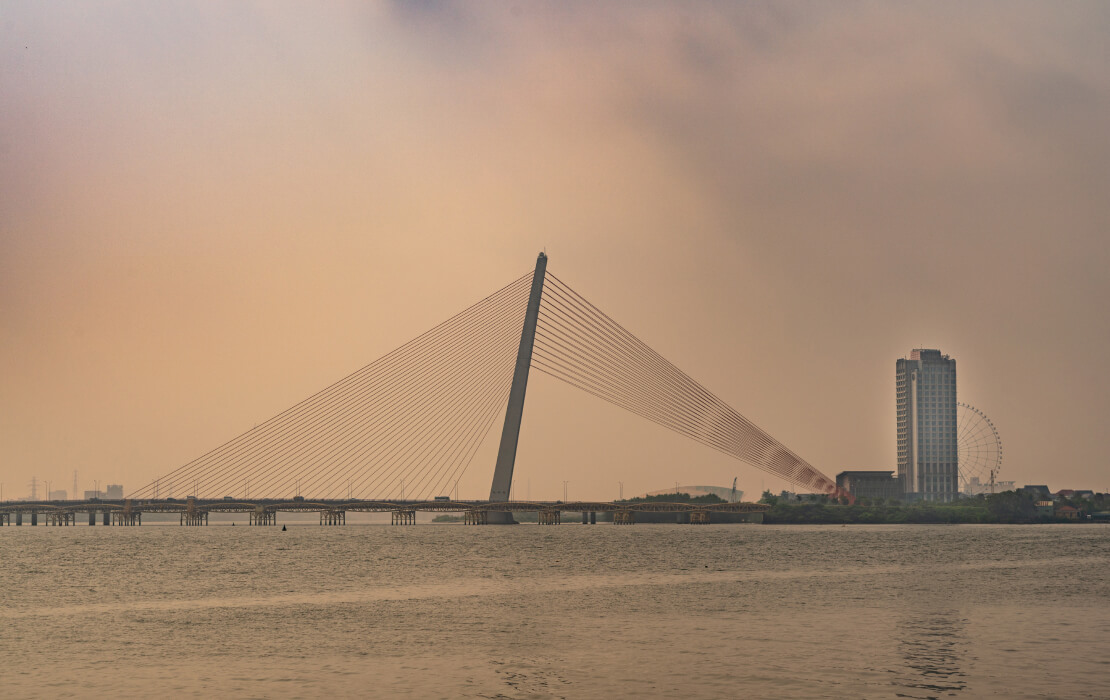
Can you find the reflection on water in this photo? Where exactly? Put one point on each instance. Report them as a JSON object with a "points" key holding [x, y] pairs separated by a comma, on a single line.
{"points": [[444, 611], [934, 647]]}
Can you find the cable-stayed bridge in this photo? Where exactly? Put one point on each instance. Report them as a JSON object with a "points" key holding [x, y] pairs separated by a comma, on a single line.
{"points": [[400, 432]]}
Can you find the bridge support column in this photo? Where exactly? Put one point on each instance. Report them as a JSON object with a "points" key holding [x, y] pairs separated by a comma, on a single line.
{"points": [[92, 518], [197, 518], [107, 518], [333, 517], [263, 517], [403, 516], [510, 433], [132, 519], [474, 516], [585, 517], [593, 517], [34, 518], [61, 519], [699, 517], [624, 517], [549, 516], [19, 518]]}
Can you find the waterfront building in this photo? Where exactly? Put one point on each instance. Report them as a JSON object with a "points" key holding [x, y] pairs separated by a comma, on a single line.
{"points": [[1069, 512], [870, 484], [1038, 491], [114, 491], [928, 453], [791, 497], [1074, 493]]}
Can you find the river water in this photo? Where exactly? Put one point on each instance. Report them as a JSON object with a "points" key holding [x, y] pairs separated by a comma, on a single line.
{"points": [[570, 611]]}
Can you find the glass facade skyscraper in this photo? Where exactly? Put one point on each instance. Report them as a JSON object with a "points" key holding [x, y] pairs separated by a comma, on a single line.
{"points": [[927, 451]]}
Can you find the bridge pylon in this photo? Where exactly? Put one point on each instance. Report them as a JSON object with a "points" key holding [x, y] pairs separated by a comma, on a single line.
{"points": [[510, 433]]}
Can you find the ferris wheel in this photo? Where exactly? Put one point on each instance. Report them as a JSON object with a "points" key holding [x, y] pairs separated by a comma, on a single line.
{"points": [[980, 447]]}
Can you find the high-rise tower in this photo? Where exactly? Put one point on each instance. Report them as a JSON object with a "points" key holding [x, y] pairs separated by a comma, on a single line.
{"points": [[927, 450]]}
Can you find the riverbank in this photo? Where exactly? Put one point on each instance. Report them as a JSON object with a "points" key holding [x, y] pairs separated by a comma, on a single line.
{"points": [[831, 514]]}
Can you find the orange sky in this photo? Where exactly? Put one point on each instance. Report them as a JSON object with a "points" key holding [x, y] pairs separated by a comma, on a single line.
{"points": [[208, 211]]}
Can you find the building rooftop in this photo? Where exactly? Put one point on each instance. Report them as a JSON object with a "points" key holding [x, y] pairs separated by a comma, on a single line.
{"points": [[927, 354], [866, 472]]}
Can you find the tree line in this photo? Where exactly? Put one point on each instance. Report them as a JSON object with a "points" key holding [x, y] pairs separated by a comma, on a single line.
{"points": [[1006, 507]]}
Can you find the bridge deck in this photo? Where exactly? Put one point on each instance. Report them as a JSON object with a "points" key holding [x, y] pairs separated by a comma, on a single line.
{"points": [[306, 505]]}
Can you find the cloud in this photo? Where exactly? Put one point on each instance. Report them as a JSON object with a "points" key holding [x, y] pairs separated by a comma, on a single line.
{"points": [[247, 202]]}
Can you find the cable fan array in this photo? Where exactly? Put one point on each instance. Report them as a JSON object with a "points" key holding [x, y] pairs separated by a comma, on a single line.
{"points": [[580, 345], [408, 425], [405, 426]]}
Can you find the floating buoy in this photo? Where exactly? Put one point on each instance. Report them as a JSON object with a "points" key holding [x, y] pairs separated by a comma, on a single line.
{"points": [[283, 528]]}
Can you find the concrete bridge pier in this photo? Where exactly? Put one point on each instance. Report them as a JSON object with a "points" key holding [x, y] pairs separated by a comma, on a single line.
{"points": [[19, 518], [474, 516], [64, 519], [593, 517], [333, 517], [195, 518], [107, 518], [624, 517], [263, 517], [92, 518], [34, 518], [585, 517], [403, 516], [129, 519]]}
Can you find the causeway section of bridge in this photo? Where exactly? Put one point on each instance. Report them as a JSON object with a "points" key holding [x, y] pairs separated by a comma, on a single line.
{"points": [[193, 512]]}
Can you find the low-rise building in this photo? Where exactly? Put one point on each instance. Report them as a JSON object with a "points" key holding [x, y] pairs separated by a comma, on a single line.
{"points": [[1069, 512], [791, 497], [1038, 491], [1075, 493], [871, 484], [1045, 508]]}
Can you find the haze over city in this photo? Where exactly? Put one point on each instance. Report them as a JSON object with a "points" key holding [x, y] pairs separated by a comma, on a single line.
{"points": [[208, 212]]}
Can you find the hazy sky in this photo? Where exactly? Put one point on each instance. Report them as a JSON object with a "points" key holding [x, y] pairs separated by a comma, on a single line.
{"points": [[209, 211]]}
